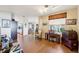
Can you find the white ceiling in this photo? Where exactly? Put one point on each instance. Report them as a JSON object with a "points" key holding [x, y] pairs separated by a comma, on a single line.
{"points": [[34, 10]]}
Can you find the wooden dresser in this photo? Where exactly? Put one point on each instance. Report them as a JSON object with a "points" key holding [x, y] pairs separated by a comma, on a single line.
{"points": [[70, 39], [51, 36]]}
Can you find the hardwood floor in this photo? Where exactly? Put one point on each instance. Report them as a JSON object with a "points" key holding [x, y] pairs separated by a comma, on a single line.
{"points": [[31, 45]]}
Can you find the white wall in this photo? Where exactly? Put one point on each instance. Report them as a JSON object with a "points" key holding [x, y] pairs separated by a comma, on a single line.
{"points": [[43, 28], [5, 15], [31, 19], [19, 19], [7, 31], [25, 20]]}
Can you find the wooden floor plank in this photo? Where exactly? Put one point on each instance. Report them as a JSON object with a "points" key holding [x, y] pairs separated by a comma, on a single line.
{"points": [[30, 45]]}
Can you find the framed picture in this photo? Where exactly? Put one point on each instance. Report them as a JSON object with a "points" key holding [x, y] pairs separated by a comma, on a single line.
{"points": [[44, 24], [71, 21], [5, 23]]}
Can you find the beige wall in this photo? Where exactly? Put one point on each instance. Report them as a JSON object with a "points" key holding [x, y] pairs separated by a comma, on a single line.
{"points": [[43, 28], [71, 14], [78, 24]]}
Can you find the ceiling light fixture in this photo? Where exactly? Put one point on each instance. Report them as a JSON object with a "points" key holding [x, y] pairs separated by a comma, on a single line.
{"points": [[44, 9]]}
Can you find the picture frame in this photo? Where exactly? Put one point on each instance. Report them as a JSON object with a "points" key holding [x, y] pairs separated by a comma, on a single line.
{"points": [[5, 23], [71, 21], [44, 24]]}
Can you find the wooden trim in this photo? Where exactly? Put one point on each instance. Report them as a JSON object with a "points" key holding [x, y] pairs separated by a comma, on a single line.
{"points": [[58, 16]]}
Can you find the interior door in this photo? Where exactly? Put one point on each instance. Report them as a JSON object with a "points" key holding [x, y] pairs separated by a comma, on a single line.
{"points": [[31, 30], [14, 30]]}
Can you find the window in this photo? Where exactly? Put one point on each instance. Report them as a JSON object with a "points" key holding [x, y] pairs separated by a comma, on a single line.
{"points": [[57, 21], [57, 24]]}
